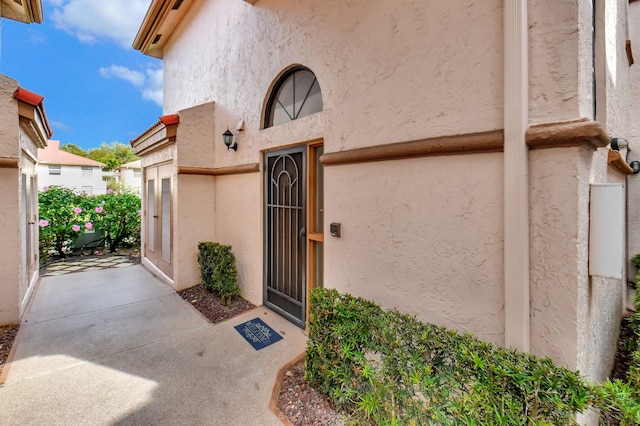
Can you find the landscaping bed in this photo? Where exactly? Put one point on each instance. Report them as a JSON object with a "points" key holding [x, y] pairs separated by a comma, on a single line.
{"points": [[8, 334]]}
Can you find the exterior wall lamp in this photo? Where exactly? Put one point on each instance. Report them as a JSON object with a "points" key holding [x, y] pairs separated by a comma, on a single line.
{"points": [[228, 140], [619, 143]]}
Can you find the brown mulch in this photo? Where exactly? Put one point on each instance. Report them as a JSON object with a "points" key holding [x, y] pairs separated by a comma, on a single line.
{"points": [[209, 305], [7, 336], [302, 404]]}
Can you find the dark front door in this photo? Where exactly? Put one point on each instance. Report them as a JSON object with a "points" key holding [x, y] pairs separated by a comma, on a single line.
{"points": [[285, 228]]}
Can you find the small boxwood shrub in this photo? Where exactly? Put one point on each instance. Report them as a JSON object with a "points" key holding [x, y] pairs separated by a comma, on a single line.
{"points": [[388, 368], [218, 270]]}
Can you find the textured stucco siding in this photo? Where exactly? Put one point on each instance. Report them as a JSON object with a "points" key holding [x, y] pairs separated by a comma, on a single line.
{"points": [[558, 251], [9, 256], [10, 226], [193, 204], [633, 211], [238, 219], [560, 57], [422, 235], [9, 128], [388, 73]]}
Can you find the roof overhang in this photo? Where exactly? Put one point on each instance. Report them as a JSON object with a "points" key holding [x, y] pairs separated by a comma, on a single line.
{"points": [[33, 118], [27, 11], [159, 135], [161, 20]]}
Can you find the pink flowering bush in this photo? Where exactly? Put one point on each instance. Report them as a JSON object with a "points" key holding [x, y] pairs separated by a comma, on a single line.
{"points": [[66, 216]]}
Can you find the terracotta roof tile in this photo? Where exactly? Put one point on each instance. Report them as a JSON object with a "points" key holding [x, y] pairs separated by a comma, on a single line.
{"points": [[53, 155]]}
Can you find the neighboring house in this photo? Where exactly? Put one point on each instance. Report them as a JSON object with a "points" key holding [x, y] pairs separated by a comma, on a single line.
{"points": [[23, 129], [449, 159], [61, 168], [130, 175]]}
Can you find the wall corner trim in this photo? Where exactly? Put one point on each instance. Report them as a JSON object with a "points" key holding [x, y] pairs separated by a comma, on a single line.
{"points": [[219, 171], [567, 133], [615, 160], [8, 163]]}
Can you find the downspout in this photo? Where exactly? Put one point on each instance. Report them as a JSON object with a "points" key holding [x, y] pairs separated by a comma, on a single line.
{"points": [[516, 176]]}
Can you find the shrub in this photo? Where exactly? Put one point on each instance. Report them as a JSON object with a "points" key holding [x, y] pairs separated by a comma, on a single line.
{"points": [[64, 215], [389, 368], [620, 400], [218, 270], [55, 211], [120, 218]]}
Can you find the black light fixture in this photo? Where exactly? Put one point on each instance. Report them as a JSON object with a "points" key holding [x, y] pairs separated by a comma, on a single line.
{"points": [[228, 140]]}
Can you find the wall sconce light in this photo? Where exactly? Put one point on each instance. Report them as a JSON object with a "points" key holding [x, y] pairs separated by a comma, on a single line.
{"points": [[228, 140], [619, 143]]}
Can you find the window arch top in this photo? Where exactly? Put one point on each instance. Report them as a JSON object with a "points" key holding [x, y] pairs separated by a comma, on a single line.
{"points": [[295, 95]]}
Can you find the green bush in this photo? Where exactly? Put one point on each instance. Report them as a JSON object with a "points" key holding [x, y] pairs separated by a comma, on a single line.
{"points": [[620, 399], [388, 368], [64, 215], [218, 270]]}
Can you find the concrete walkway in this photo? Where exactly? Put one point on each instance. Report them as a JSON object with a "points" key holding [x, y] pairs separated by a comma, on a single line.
{"points": [[117, 346]]}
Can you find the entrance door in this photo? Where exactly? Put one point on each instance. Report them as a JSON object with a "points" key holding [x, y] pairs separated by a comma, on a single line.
{"points": [[285, 233], [158, 241]]}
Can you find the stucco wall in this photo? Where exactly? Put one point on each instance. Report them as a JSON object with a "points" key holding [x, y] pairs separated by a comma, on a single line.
{"points": [[194, 206], [388, 72], [633, 210], [559, 200], [8, 118], [238, 219], [9, 256], [424, 235], [10, 261], [560, 69]]}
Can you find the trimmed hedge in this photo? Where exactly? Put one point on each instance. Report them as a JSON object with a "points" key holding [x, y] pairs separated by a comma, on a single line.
{"points": [[388, 368], [218, 270]]}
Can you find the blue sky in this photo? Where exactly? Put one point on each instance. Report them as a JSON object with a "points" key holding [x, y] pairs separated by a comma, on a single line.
{"points": [[97, 88]]}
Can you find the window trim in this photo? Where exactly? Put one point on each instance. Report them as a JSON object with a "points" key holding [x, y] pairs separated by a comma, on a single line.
{"points": [[271, 103]]}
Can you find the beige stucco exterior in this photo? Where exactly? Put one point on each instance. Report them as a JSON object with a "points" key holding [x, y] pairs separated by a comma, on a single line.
{"points": [[423, 230], [20, 128]]}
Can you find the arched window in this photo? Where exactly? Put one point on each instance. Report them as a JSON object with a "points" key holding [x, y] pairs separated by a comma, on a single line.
{"points": [[295, 95]]}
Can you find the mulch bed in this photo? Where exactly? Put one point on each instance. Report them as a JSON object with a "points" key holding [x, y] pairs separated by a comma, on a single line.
{"points": [[302, 404], [209, 305], [7, 336]]}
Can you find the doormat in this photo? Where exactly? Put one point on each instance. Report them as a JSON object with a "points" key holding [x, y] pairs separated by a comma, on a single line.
{"points": [[258, 333]]}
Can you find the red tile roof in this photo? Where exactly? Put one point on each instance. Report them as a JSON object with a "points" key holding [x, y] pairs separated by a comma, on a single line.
{"points": [[53, 155]]}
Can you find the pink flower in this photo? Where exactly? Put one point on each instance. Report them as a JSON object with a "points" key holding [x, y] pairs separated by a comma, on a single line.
{"points": [[77, 210], [43, 223], [75, 228], [109, 191], [99, 210], [139, 212], [115, 193], [45, 189], [88, 225]]}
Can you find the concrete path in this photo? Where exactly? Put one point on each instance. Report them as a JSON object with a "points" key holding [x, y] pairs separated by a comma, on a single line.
{"points": [[117, 346]]}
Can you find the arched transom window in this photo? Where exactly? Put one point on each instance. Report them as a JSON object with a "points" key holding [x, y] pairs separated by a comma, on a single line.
{"points": [[295, 95]]}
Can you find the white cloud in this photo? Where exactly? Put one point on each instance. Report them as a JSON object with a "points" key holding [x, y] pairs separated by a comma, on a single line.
{"points": [[91, 21], [153, 89], [149, 81], [134, 77], [58, 125]]}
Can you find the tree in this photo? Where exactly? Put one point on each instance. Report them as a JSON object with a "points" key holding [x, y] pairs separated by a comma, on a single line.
{"points": [[74, 149], [113, 155]]}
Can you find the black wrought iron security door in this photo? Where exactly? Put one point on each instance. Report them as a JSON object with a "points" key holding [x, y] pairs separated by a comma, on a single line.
{"points": [[285, 227]]}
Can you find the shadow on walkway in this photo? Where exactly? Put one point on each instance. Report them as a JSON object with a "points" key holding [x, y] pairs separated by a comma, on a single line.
{"points": [[118, 346]]}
